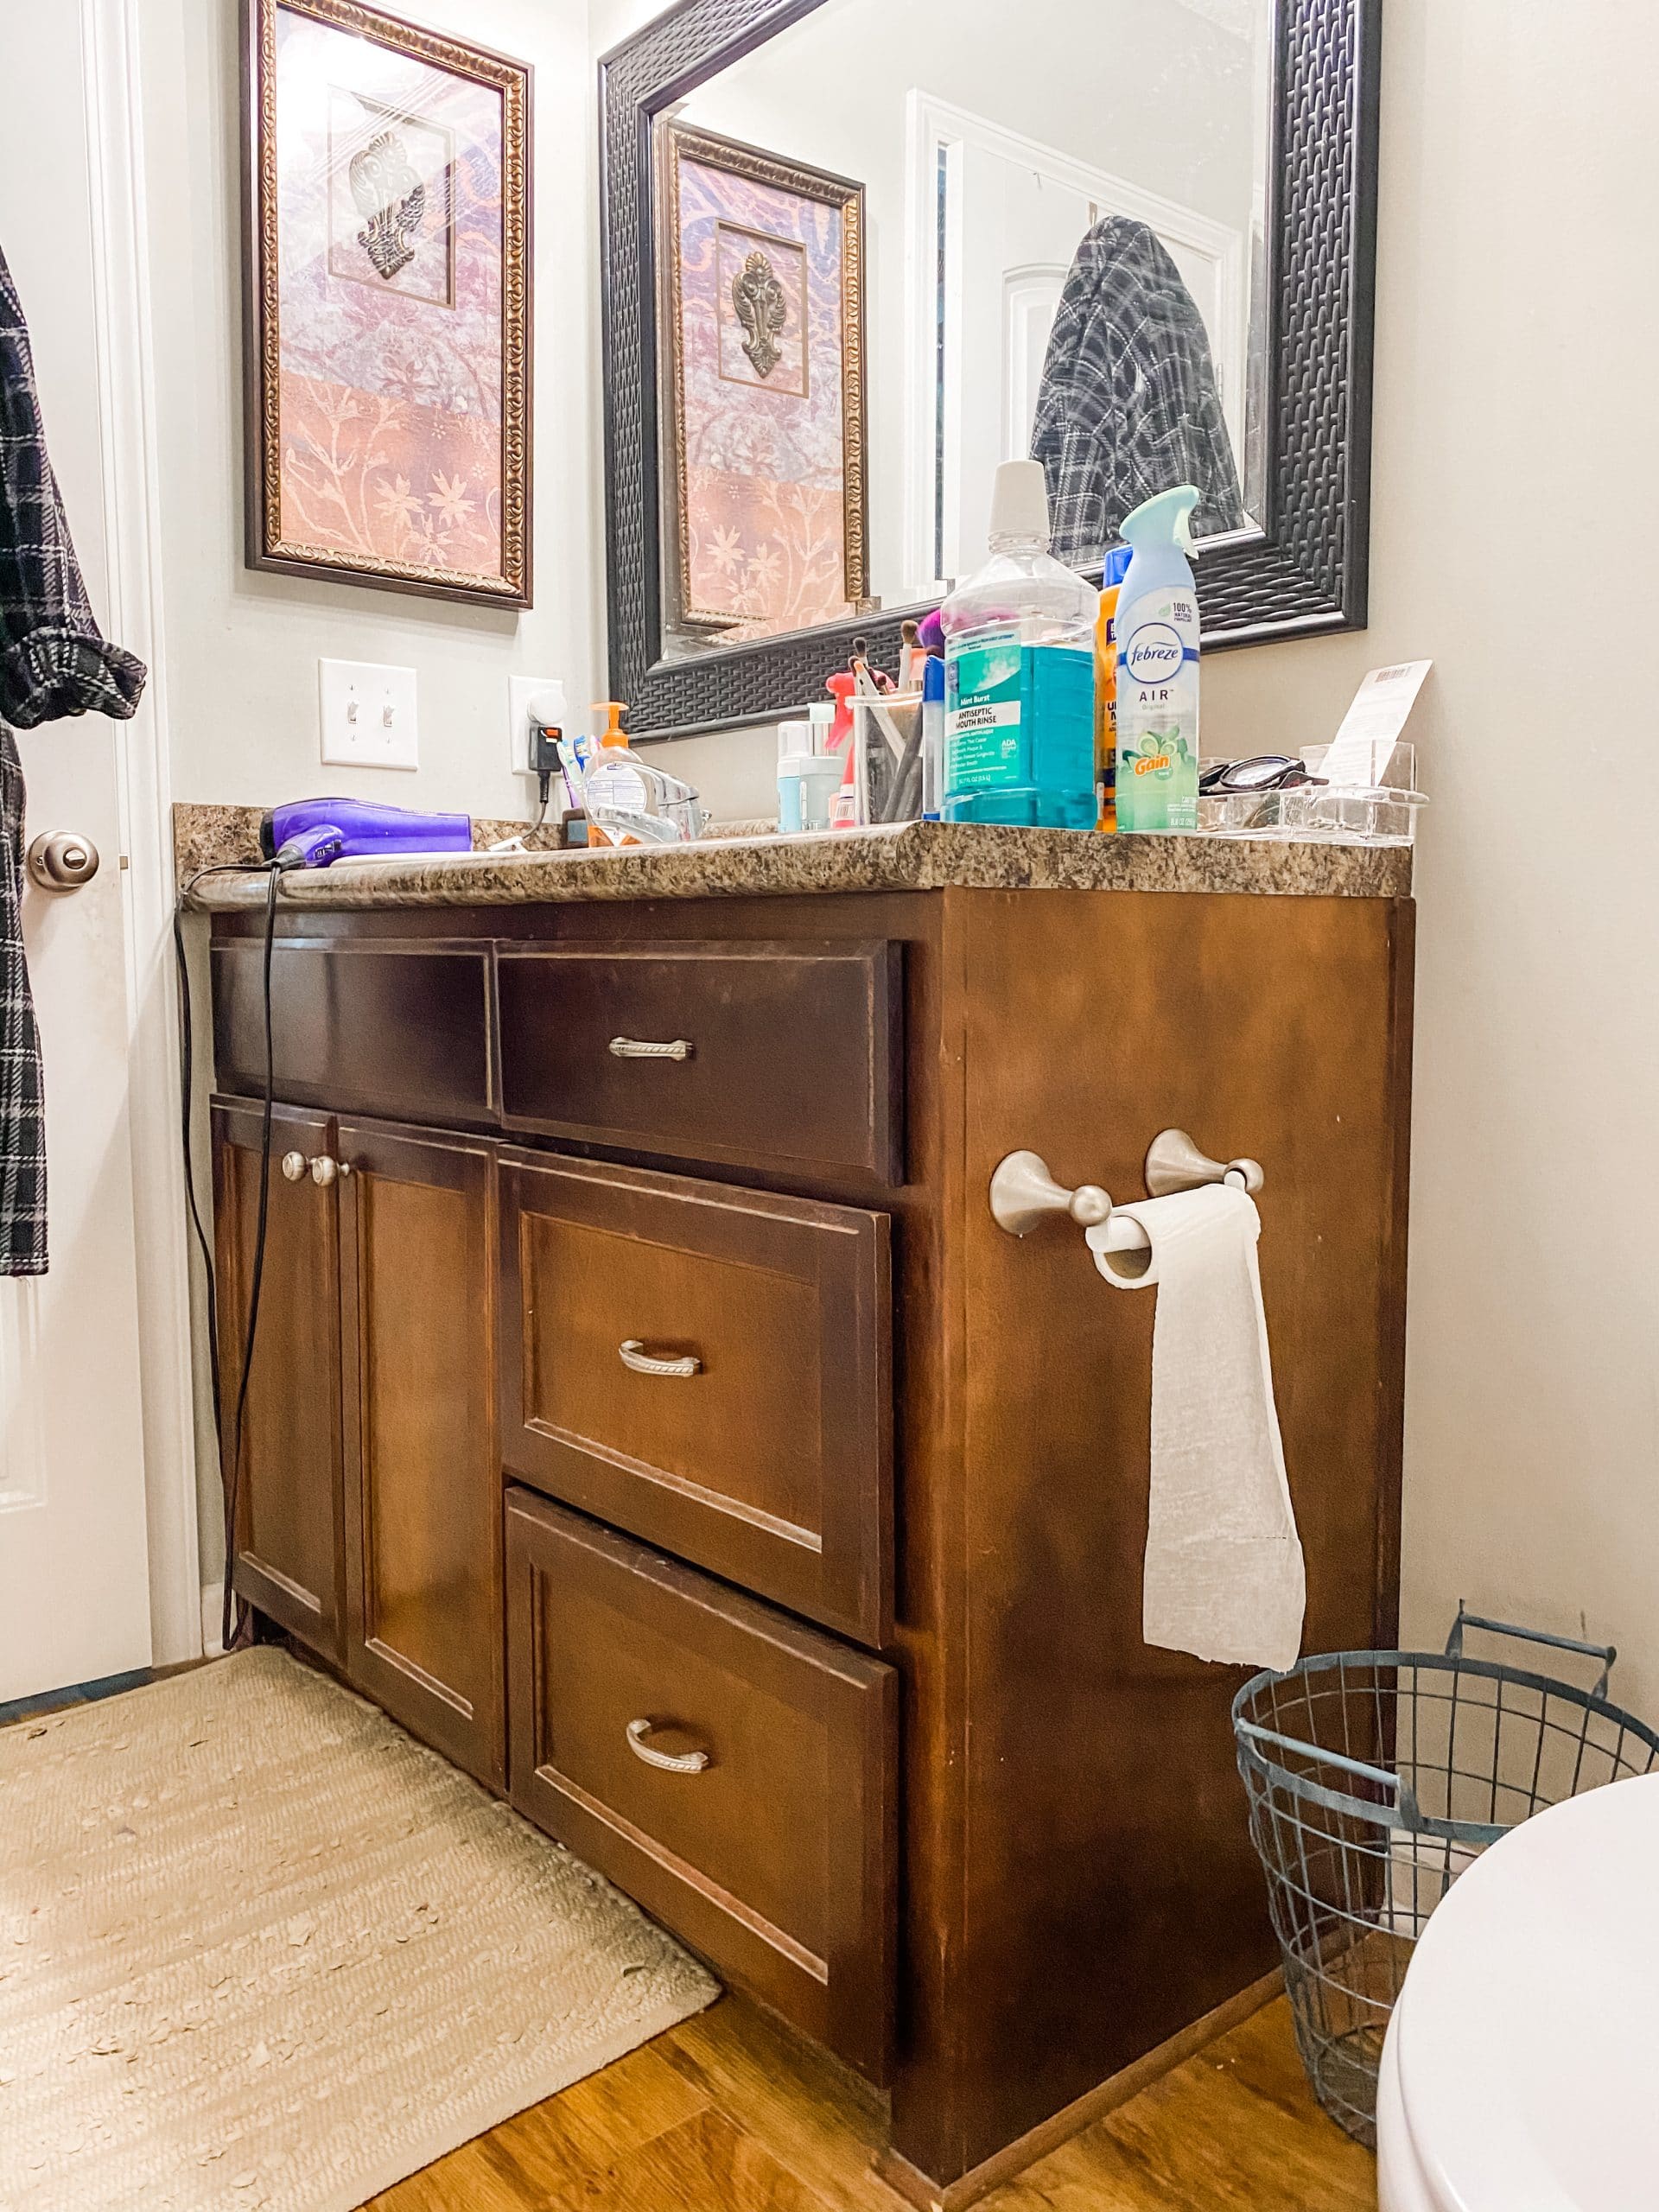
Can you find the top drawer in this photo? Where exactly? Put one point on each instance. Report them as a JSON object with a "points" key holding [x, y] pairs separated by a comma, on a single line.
{"points": [[784, 1054], [400, 1030]]}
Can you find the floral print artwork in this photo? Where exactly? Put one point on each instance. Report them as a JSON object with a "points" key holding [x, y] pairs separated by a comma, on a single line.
{"points": [[390, 310], [763, 471]]}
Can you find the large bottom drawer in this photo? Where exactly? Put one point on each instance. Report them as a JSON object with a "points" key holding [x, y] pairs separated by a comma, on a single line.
{"points": [[731, 1769]]}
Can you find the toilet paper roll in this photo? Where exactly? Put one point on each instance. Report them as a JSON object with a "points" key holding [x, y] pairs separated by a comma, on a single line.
{"points": [[1224, 1576]]}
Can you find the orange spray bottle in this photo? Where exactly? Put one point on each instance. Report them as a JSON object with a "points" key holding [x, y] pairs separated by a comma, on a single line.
{"points": [[1111, 583]]}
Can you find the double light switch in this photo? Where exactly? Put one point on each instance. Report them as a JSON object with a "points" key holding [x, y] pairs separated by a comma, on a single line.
{"points": [[368, 715]]}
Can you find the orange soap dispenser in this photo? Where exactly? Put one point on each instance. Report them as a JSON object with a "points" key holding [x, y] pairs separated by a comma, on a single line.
{"points": [[616, 789], [612, 710], [630, 802]]}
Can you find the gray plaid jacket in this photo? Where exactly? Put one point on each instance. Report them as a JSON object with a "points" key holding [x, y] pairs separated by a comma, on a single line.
{"points": [[1128, 405], [52, 663]]}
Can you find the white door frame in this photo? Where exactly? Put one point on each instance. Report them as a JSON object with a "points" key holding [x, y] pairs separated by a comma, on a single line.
{"points": [[126, 390], [933, 124]]}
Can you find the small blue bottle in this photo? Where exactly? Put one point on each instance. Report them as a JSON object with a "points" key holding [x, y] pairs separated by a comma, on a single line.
{"points": [[932, 736]]}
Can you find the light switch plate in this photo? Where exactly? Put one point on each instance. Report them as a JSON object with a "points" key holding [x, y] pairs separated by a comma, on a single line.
{"points": [[368, 715]]}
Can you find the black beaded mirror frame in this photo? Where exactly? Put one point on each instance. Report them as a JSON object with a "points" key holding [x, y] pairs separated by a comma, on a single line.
{"points": [[1303, 574]]}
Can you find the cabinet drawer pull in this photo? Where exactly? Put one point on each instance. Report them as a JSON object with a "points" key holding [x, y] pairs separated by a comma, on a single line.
{"points": [[633, 1048], [669, 1762], [634, 1354], [293, 1166]]}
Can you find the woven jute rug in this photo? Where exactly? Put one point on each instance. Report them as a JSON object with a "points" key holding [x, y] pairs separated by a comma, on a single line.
{"points": [[260, 1952]]}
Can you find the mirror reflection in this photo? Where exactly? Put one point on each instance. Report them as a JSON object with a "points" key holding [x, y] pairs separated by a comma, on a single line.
{"points": [[895, 247]]}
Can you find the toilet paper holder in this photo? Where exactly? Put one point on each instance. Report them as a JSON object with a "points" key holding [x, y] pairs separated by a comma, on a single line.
{"points": [[1024, 1193]]}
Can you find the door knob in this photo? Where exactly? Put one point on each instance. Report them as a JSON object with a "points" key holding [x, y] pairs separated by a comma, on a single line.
{"points": [[62, 860], [324, 1170], [293, 1166]]}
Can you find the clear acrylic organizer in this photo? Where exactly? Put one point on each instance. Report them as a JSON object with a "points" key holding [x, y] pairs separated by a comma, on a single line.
{"points": [[1382, 811]]}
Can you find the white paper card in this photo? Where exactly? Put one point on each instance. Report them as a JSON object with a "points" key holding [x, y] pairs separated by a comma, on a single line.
{"points": [[1361, 750]]}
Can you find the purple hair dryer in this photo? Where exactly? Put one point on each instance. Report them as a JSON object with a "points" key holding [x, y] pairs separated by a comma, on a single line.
{"points": [[316, 832]]}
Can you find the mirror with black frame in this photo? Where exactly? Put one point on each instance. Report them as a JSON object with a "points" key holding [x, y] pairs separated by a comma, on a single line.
{"points": [[857, 255]]}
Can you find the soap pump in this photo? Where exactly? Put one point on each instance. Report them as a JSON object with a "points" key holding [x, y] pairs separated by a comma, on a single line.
{"points": [[629, 801]]}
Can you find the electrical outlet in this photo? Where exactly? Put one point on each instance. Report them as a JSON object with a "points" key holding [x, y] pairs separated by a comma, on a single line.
{"points": [[368, 715], [523, 691]]}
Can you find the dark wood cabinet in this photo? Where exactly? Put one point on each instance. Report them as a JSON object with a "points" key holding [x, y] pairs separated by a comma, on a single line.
{"points": [[290, 1528], [718, 1051], [734, 1769], [798, 1460], [422, 1473], [709, 1367], [369, 1509]]}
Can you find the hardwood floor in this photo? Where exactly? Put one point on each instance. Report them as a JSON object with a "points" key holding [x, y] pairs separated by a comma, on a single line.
{"points": [[728, 2112]]}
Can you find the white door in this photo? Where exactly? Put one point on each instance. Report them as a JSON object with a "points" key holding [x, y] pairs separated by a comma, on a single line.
{"points": [[1020, 232], [74, 1601]]}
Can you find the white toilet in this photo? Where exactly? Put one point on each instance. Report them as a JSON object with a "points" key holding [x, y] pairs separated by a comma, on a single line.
{"points": [[1520, 2072]]}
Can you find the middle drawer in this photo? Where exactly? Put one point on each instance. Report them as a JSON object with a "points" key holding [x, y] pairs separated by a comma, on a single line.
{"points": [[709, 1369]]}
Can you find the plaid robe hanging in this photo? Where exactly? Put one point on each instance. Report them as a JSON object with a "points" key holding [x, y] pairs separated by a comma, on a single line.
{"points": [[1129, 403], [52, 663]]}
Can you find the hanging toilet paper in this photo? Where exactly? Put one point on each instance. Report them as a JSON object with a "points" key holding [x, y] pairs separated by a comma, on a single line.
{"points": [[1223, 1570]]}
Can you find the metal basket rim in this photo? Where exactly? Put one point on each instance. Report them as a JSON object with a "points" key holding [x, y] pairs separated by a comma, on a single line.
{"points": [[1404, 1815]]}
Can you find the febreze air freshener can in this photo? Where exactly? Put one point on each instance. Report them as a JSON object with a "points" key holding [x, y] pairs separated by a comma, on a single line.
{"points": [[1158, 669]]}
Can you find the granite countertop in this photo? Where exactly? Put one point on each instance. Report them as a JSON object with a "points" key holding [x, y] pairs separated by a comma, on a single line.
{"points": [[908, 857]]}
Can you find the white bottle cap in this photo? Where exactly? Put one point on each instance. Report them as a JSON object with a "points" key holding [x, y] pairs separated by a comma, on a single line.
{"points": [[1019, 500], [793, 737]]}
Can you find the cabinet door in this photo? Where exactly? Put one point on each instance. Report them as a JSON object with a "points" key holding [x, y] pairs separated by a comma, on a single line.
{"points": [[290, 1530], [422, 1472]]}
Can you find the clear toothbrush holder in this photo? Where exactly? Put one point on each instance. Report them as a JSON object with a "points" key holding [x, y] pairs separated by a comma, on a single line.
{"points": [[887, 743]]}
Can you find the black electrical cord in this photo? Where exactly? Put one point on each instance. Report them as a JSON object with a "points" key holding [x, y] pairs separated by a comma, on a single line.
{"points": [[233, 1617]]}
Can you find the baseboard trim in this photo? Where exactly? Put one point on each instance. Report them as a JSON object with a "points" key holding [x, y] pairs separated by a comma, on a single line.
{"points": [[212, 1619], [926, 2194]]}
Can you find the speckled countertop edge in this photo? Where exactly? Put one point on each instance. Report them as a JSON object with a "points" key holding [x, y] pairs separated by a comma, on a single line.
{"points": [[227, 836], [911, 856]]}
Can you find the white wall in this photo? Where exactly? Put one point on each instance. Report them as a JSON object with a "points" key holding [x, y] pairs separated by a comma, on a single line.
{"points": [[243, 647], [1515, 457]]}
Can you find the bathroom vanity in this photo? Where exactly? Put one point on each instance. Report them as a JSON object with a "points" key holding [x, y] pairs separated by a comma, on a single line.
{"points": [[650, 1415]]}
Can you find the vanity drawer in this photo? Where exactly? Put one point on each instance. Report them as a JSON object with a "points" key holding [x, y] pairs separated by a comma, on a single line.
{"points": [[399, 1030], [782, 1054], [709, 1367], [771, 1848]]}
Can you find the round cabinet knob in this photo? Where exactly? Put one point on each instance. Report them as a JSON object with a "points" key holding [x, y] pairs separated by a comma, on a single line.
{"points": [[324, 1170], [294, 1165], [62, 860]]}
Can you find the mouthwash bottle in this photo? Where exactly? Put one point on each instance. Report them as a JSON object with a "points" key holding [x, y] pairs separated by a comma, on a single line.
{"points": [[1019, 673], [1158, 669]]}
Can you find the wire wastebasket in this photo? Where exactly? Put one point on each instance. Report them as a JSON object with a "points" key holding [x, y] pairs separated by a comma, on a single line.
{"points": [[1374, 1778]]}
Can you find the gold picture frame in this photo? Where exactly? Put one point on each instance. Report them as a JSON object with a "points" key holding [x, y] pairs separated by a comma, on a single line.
{"points": [[774, 373], [387, 403]]}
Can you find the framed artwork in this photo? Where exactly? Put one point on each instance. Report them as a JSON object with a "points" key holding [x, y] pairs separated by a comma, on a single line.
{"points": [[387, 284], [764, 423]]}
